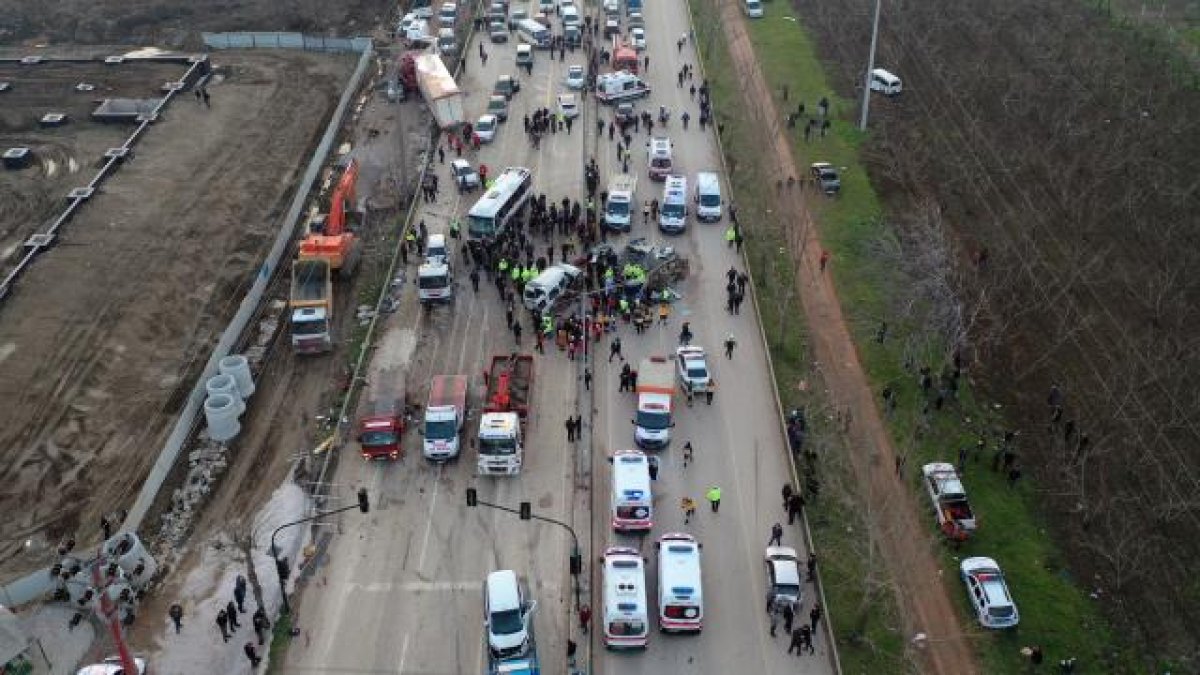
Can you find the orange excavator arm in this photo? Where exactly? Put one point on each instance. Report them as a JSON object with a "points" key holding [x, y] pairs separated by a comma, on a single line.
{"points": [[344, 194]]}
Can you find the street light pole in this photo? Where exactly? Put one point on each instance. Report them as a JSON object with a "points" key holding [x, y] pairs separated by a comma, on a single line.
{"points": [[282, 569], [866, 100]]}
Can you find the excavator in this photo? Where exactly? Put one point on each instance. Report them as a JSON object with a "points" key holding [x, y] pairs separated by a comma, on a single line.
{"points": [[328, 237]]}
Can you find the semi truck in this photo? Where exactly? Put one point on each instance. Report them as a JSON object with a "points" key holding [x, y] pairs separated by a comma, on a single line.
{"points": [[655, 386], [949, 498], [509, 389], [311, 302], [622, 202], [445, 417], [440, 91]]}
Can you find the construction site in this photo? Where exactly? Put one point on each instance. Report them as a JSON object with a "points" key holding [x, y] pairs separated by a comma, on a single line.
{"points": [[104, 332]]}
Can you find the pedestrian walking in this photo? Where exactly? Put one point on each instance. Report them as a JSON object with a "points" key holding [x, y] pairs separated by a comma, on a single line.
{"points": [[653, 468], [787, 495], [570, 430], [261, 624], [204, 93], [806, 637], [231, 612], [812, 567], [824, 259], [585, 617], [579, 427], [252, 654], [689, 509], [239, 593], [687, 454], [176, 614], [730, 343], [794, 507], [223, 624], [776, 535], [614, 349], [587, 379], [797, 643], [774, 617], [714, 498], [814, 615], [789, 616]]}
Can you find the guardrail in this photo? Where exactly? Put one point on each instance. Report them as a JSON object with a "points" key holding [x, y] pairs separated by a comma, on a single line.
{"points": [[275, 40]]}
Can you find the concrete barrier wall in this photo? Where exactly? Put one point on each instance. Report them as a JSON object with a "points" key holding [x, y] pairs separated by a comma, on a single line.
{"points": [[38, 583], [312, 43]]}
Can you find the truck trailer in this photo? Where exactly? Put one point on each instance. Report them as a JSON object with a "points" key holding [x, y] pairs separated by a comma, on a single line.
{"points": [[440, 90]]}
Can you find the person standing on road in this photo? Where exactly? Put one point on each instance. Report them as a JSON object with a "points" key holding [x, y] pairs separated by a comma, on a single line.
{"points": [[815, 616], [776, 535], [795, 506], [797, 643], [570, 430], [615, 350], [789, 616], [824, 259], [730, 343], [231, 613], [653, 468], [587, 379], [689, 509], [687, 454], [239, 593], [774, 616], [714, 498], [252, 654], [787, 495], [579, 427], [261, 624], [176, 614], [585, 617], [812, 567], [516, 328], [223, 624]]}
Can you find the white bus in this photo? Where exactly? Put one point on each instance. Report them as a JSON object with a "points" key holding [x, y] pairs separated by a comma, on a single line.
{"points": [[489, 217], [680, 597], [625, 616], [632, 506]]}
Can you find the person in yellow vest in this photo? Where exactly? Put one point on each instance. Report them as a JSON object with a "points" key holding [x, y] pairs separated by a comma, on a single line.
{"points": [[516, 273], [730, 235], [502, 266]]}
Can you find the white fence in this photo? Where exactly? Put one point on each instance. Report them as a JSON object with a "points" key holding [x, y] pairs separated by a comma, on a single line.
{"points": [[312, 43]]}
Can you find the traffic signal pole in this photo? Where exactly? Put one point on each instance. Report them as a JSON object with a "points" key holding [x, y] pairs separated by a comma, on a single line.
{"points": [[526, 513], [283, 568]]}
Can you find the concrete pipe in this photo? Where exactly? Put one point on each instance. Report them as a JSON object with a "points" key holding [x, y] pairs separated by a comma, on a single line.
{"points": [[221, 412], [237, 366], [225, 384]]}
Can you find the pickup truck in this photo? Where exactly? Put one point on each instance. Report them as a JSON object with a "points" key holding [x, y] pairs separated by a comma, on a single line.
{"points": [[949, 499]]}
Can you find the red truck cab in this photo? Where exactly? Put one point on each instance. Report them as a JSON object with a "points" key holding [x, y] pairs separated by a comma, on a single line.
{"points": [[380, 436]]}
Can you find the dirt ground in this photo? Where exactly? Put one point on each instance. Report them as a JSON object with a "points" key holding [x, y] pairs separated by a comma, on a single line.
{"points": [[107, 332], [922, 595], [65, 157], [176, 24]]}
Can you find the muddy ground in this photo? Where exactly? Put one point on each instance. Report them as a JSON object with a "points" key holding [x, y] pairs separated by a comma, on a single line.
{"points": [[175, 24], [108, 331]]}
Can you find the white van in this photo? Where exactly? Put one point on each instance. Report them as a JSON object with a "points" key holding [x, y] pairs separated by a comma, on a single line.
{"points": [[546, 288], [659, 157], [632, 505], [506, 615], [524, 55], [885, 83], [680, 596], [448, 14], [570, 15], [446, 42], [626, 621], [708, 197], [673, 209], [754, 9], [534, 33], [435, 248]]}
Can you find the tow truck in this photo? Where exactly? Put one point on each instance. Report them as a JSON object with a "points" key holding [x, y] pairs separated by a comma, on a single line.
{"points": [[509, 382]]}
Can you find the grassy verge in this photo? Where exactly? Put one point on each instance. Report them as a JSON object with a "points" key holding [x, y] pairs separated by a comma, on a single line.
{"points": [[1055, 612], [281, 639]]}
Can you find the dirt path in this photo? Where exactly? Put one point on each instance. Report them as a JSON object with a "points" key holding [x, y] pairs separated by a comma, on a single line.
{"points": [[903, 539]]}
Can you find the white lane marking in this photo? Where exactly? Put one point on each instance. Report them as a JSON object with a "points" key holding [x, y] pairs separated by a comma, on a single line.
{"points": [[403, 653], [429, 520], [413, 586]]}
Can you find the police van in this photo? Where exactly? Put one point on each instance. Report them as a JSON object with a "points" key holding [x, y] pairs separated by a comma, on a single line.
{"points": [[632, 506], [626, 618], [673, 210], [680, 597]]}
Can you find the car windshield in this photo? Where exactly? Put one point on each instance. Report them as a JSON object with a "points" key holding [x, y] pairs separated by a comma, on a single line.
{"points": [[628, 628], [441, 430], [653, 421], [618, 208], [497, 446], [790, 590], [378, 438], [308, 328], [710, 200], [507, 622], [440, 281], [697, 373], [673, 210], [484, 125], [1002, 612], [575, 72]]}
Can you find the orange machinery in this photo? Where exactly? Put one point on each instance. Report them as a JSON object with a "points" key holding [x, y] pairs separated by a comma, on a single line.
{"points": [[329, 238]]}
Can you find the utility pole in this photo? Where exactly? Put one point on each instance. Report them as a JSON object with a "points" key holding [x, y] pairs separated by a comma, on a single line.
{"points": [[283, 568], [866, 99]]}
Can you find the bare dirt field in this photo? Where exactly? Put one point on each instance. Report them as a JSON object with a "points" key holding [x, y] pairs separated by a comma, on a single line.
{"points": [[65, 157], [1071, 164], [106, 333], [177, 24]]}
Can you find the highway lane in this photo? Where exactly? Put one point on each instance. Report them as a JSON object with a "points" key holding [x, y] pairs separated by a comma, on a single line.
{"points": [[738, 444], [401, 590]]}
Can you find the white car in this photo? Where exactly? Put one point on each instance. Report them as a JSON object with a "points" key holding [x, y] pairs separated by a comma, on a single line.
{"points": [[637, 37], [576, 76], [691, 364], [485, 128], [465, 176], [568, 105], [112, 666], [988, 593], [784, 583]]}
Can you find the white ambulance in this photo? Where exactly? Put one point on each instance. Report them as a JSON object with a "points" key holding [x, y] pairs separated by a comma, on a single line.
{"points": [[632, 506], [680, 596], [626, 619]]}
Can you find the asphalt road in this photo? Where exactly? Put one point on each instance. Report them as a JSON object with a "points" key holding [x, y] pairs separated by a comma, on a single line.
{"points": [[400, 591]]}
